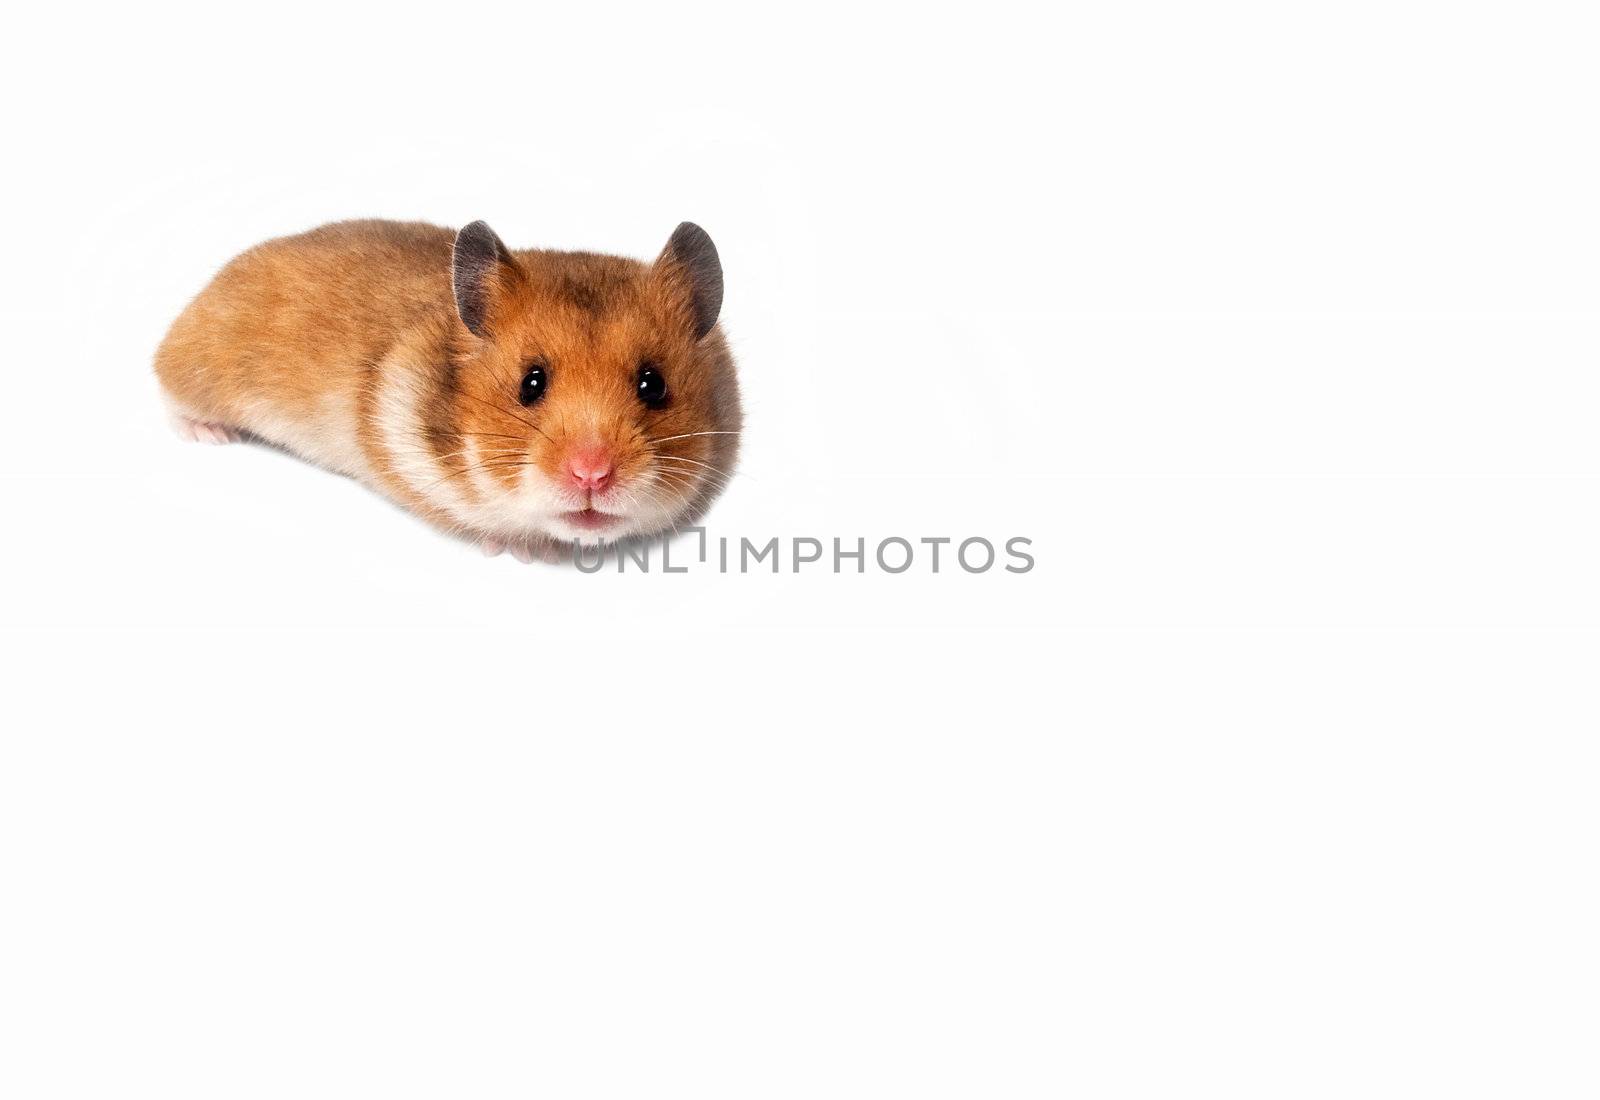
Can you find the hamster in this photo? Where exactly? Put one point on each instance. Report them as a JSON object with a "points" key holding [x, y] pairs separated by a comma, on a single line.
{"points": [[521, 399]]}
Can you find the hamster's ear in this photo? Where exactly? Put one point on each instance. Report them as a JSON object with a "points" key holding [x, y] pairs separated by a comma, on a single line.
{"points": [[482, 271], [691, 267]]}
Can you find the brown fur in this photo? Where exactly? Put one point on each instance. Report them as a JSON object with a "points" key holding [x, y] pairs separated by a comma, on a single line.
{"points": [[306, 340]]}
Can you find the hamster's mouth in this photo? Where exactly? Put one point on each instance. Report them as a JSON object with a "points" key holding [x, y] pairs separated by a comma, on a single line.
{"points": [[591, 519]]}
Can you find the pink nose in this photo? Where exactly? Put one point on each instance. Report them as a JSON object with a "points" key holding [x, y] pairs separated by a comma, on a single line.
{"points": [[590, 467]]}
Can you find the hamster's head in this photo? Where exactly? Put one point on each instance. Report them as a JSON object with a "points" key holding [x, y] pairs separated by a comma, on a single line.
{"points": [[597, 398]]}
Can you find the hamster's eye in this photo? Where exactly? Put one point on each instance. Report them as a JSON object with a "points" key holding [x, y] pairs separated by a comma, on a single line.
{"points": [[534, 384], [652, 386]]}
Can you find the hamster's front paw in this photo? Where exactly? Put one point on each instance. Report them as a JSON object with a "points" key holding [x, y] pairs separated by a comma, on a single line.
{"points": [[200, 431], [550, 551], [493, 548]]}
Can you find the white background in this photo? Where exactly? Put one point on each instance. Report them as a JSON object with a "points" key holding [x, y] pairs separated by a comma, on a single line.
{"points": [[1273, 326]]}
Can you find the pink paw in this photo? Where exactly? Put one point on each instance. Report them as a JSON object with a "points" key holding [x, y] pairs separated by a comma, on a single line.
{"points": [[493, 548], [198, 431]]}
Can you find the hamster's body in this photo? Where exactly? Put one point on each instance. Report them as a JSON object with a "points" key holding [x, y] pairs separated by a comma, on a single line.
{"points": [[508, 396]]}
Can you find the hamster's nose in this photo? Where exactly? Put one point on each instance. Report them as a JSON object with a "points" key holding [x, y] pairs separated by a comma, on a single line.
{"points": [[590, 468]]}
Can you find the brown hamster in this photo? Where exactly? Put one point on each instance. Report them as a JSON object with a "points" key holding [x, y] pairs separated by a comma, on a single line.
{"points": [[518, 398]]}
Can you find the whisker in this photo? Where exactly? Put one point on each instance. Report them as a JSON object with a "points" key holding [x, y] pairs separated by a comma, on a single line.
{"points": [[690, 435], [716, 477], [492, 435], [704, 465], [681, 482], [428, 451], [507, 413], [493, 464]]}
